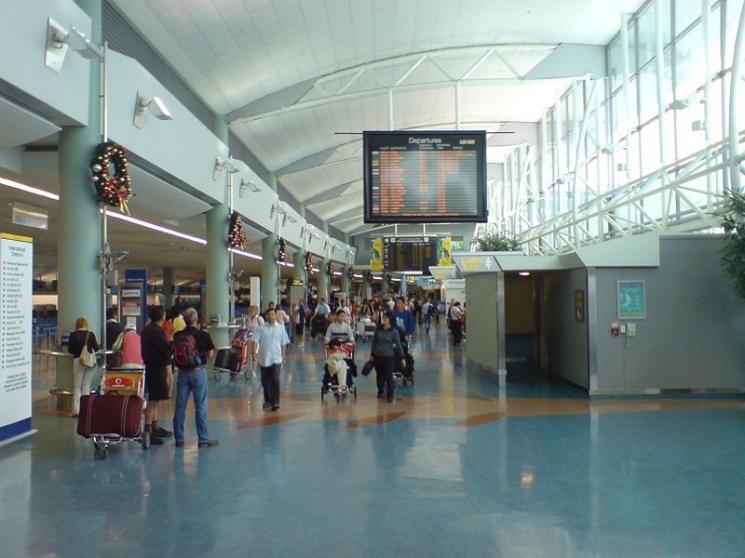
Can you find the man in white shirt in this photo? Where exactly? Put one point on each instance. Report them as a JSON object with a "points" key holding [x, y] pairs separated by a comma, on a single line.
{"points": [[272, 340]]}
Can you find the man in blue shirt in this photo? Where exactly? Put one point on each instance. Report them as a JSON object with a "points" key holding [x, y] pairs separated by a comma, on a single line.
{"points": [[403, 320]]}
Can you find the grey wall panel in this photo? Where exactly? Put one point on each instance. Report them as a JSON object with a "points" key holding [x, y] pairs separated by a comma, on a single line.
{"points": [[124, 38], [566, 338], [694, 333], [482, 345]]}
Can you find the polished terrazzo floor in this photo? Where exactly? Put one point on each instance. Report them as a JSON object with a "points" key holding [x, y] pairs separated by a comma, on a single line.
{"points": [[454, 467]]}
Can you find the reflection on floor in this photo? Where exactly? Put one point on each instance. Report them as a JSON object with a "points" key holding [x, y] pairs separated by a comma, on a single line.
{"points": [[453, 466]]}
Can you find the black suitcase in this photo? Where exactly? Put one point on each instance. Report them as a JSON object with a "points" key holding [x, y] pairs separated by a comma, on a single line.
{"points": [[222, 359], [235, 362]]}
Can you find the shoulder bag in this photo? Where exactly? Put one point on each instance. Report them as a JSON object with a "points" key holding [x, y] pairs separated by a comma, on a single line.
{"points": [[87, 358]]}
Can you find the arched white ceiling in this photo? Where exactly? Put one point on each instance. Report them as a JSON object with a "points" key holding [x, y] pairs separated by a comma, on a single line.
{"points": [[305, 69]]}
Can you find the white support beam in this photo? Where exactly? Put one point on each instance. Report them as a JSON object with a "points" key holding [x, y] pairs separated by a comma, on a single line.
{"points": [[571, 61], [295, 96], [330, 194]]}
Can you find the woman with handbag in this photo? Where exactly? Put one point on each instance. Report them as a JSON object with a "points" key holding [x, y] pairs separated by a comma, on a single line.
{"points": [[385, 349], [82, 346]]}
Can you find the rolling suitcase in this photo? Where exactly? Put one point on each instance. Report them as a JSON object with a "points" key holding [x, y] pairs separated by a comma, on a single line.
{"points": [[110, 414], [222, 359]]}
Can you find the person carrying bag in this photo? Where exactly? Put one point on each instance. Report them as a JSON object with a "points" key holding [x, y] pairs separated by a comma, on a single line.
{"points": [[82, 346]]}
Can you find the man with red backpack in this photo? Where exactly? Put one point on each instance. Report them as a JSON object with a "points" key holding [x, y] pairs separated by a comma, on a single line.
{"points": [[192, 348]]}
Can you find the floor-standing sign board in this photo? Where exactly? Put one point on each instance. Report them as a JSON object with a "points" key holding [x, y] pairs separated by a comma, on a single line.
{"points": [[16, 278]]}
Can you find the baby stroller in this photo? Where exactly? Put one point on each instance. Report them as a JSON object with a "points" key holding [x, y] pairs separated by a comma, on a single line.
{"points": [[341, 354], [234, 359], [318, 327], [404, 376]]}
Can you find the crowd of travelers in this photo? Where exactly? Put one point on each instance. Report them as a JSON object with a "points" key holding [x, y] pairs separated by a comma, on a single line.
{"points": [[174, 348]]}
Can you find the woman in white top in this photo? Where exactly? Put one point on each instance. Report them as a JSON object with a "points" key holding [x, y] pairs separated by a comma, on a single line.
{"points": [[253, 322]]}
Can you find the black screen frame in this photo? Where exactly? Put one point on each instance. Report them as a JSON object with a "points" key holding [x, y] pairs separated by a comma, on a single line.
{"points": [[482, 213]]}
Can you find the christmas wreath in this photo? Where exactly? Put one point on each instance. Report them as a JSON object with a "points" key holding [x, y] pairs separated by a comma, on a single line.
{"points": [[350, 273], [308, 264], [330, 269], [236, 236], [369, 277], [282, 252], [111, 176]]}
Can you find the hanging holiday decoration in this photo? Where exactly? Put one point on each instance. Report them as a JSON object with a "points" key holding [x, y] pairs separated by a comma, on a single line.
{"points": [[111, 175], [308, 264], [282, 252], [330, 269], [369, 277], [388, 278], [350, 273], [236, 236]]}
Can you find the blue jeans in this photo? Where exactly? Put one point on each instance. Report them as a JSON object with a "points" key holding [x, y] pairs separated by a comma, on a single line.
{"points": [[191, 380], [427, 322]]}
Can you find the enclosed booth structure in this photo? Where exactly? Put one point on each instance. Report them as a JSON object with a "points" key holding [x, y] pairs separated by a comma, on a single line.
{"points": [[640, 315]]}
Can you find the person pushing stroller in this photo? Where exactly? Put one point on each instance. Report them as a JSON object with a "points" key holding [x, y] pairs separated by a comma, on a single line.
{"points": [[384, 350]]}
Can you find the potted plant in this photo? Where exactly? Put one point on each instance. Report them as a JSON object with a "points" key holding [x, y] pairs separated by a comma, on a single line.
{"points": [[733, 253], [495, 242]]}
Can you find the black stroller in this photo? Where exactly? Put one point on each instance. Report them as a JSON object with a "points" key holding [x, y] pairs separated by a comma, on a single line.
{"points": [[404, 376]]}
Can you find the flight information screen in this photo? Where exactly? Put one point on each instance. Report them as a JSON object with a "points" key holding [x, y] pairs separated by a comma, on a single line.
{"points": [[425, 177], [409, 253]]}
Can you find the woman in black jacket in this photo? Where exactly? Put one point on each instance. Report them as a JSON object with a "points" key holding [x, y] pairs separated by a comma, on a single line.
{"points": [[81, 376], [385, 348]]}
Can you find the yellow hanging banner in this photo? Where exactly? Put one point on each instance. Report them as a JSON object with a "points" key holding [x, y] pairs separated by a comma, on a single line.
{"points": [[445, 250], [376, 254]]}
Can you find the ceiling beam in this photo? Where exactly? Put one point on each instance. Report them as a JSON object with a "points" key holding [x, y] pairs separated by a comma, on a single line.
{"points": [[314, 159], [281, 98], [571, 61], [294, 97], [331, 194], [355, 212]]}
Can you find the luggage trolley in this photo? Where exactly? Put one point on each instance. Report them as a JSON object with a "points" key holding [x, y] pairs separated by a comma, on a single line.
{"points": [[121, 398], [234, 359], [330, 383], [365, 328]]}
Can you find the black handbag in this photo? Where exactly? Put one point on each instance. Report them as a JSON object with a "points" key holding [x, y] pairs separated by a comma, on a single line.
{"points": [[368, 368]]}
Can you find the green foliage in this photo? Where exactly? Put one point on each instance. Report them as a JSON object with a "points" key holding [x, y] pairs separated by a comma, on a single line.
{"points": [[495, 242], [733, 253]]}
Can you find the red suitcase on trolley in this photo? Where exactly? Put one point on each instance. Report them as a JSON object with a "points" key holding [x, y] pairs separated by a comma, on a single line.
{"points": [[110, 414]]}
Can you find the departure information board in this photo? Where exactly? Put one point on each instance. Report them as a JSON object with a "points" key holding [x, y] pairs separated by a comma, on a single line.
{"points": [[425, 177], [409, 253]]}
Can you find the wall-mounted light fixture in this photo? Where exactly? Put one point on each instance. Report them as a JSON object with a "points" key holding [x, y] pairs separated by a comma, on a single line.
{"points": [[249, 185], [155, 105], [60, 40]]}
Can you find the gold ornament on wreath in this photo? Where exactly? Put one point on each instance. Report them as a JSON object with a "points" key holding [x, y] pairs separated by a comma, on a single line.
{"points": [[111, 175]]}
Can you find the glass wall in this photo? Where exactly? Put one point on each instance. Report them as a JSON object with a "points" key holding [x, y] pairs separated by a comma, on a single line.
{"points": [[646, 115]]}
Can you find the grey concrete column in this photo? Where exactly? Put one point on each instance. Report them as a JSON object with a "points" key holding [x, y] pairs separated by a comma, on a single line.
{"points": [[346, 284], [168, 286], [269, 271], [218, 255], [299, 258], [323, 276], [79, 233]]}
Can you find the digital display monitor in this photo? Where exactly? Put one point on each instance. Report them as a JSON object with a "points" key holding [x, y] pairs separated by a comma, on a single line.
{"points": [[405, 253], [425, 177]]}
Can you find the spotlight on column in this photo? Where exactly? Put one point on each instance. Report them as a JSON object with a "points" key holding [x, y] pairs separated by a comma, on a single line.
{"points": [[249, 185], [155, 105]]}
